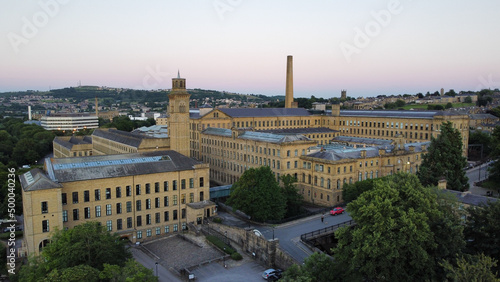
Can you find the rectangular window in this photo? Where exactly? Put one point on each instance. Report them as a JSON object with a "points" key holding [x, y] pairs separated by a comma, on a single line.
{"points": [[175, 200], [157, 217], [86, 212], [75, 197], [65, 216], [166, 216], [108, 209], [45, 226], [108, 193], [158, 230], [183, 213], [129, 222], [148, 219], [148, 204], [138, 189], [139, 220], [165, 201], [174, 185], [157, 187], [138, 205], [157, 202], [201, 182], [176, 227], [119, 224], [183, 183], [118, 208], [191, 197], [175, 215], [128, 191], [64, 199], [97, 194], [86, 196], [45, 207], [183, 198], [139, 234], [148, 233], [167, 229], [191, 182], [97, 211], [109, 225], [75, 214], [129, 206], [165, 186], [118, 192], [148, 188]]}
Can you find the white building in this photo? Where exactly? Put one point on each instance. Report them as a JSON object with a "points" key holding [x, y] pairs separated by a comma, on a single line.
{"points": [[74, 122]]}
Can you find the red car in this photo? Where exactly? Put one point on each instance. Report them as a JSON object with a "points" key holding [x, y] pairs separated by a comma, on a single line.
{"points": [[336, 211]]}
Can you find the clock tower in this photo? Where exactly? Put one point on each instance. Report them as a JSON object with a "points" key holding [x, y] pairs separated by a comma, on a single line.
{"points": [[178, 116]]}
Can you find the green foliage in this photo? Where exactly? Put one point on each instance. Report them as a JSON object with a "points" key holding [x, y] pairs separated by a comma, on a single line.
{"points": [[221, 245], [351, 192], [435, 107], [131, 271], [217, 220], [317, 267], [472, 268], [236, 256], [468, 100], [398, 104], [395, 236], [482, 230], [74, 274], [124, 123], [258, 194], [483, 138], [448, 105], [444, 159], [88, 243], [292, 197]]}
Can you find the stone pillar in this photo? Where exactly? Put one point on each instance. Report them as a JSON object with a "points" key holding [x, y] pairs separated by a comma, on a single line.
{"points": [[289, 82]]}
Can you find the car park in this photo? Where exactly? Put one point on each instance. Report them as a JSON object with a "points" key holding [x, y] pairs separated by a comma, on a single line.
{"points": [[337, 210]]}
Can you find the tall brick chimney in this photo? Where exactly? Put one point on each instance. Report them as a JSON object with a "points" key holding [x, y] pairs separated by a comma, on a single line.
{"points": [[289, 82]]}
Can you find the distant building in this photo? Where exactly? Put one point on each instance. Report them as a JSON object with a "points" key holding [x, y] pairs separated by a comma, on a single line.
{"points": [[72, 146], [109, 141], [70, 122]]}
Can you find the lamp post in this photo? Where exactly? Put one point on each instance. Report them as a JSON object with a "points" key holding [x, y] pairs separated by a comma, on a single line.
{"points": [[156, 265], [224, 257]]}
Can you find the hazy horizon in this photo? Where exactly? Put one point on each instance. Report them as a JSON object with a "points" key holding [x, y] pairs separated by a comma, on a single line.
{"points": [[368, 48]]}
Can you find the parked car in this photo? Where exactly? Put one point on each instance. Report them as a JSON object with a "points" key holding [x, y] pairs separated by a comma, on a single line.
{"points": [[272, 274], [337, 210]]}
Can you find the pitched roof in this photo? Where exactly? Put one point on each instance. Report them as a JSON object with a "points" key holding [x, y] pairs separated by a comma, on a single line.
{"points": [[109, 166], [396, 114], [258, 136], [124, 137], [36, 179], [306, 130], [264, 112]]}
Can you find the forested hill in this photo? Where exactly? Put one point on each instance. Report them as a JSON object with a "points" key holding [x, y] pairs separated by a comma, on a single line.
{"points": [[78, 94]]}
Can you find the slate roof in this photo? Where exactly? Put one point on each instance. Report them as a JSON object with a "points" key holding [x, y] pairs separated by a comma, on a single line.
{"points": [[74, 140], [471, 199], [371, 141], [265, 112], [109, 166], [257, 136], [36, 179], [124, 137], [307, 130], [395, 114], [483, 116]]}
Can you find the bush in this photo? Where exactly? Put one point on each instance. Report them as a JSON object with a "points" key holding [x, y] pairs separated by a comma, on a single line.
{"points": [[217, 220], [236, 256], [219, 244]]}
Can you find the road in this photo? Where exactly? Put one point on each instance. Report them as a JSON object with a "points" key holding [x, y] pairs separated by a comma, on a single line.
{"points": [[289, 233], [477, 173]]}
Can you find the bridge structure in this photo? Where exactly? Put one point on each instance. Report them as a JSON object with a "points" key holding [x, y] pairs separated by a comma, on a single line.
{"points": [[323, 238]]}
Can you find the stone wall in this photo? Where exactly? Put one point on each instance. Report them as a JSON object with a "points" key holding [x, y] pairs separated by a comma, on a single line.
{"points": [[268, 252]]}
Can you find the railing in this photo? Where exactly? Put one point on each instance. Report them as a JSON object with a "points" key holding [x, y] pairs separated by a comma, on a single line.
{"points": [[307, 236]]}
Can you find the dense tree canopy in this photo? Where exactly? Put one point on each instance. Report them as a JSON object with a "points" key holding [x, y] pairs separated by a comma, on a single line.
{"points": [[258, 194], [444, 159], [395, 239], [292, 197]]}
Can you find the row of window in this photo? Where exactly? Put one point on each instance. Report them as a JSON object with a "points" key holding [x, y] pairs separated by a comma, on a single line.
{"points": [[128, 190], [148, 217]]}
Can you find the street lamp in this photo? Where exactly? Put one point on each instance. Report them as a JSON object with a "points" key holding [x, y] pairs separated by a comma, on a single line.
{"points": [[156, 265], [224, 257]]}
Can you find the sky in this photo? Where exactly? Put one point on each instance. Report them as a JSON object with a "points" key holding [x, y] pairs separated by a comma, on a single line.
{"points": [[369, 48]]}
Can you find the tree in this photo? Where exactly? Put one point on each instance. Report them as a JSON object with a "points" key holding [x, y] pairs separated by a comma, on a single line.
{"points": [[472, 268], [451, 93], [468, 100], [444, 159], [395, 236], [258, 194], [351, 192], [317, 267], [448, 105], [483, 138], [292, 197], [132, 271], [88, 243], [482, 230]]}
